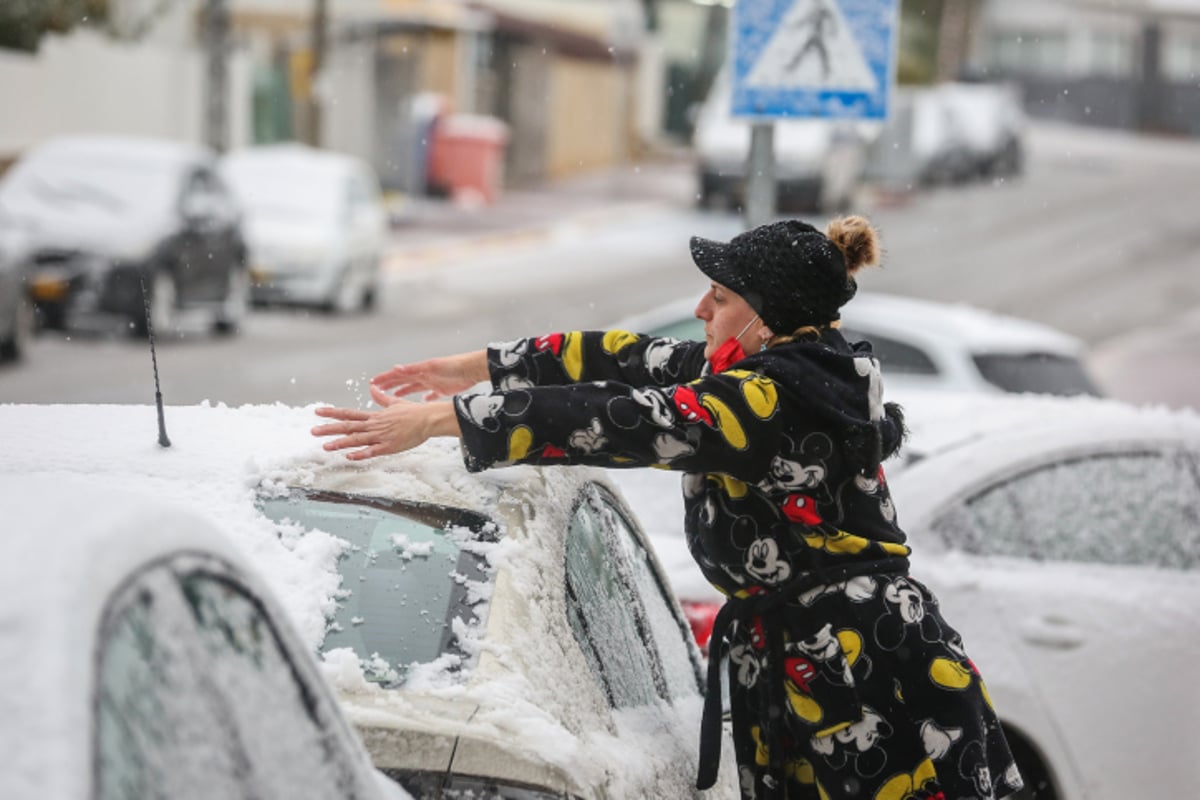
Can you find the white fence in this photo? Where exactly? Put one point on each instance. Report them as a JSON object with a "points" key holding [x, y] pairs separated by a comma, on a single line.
{"points": [[86, 83]]}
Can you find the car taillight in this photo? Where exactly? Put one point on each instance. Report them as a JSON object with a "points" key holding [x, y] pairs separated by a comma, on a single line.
{"points": [[701, 617]]}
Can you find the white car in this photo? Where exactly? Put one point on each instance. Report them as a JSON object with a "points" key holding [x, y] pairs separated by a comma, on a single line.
{"points": [[819, 163], [1062, 537], [315, 222], [923, 345], [508, 633], [142, 656]]}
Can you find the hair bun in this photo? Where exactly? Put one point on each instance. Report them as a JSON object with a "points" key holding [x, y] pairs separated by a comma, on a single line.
{"points": [[857, 240]]}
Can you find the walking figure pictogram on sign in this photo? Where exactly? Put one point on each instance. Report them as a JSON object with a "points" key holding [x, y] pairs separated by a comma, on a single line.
{"points": [[820, 23]]}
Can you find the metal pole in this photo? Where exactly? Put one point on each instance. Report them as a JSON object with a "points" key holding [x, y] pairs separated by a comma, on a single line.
{"points": [[760, 175], [320, 39], [216, 117]]}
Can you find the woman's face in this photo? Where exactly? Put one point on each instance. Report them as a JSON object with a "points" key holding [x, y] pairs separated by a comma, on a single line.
{"points": [[725, 315]]}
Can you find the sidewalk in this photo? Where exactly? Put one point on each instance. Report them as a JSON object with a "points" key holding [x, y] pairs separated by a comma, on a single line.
{"points": [[430, 231]]}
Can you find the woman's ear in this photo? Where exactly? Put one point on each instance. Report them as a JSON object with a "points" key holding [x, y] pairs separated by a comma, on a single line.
{"points": [[765, 333]]}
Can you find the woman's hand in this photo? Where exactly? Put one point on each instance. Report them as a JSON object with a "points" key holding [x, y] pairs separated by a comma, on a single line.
{"points": [[398, 426], [437, 377]]}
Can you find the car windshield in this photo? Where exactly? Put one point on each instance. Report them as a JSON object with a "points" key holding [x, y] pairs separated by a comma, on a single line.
{"points": [[289, 193], [410, 571], [1036, 372], [76, 184]]}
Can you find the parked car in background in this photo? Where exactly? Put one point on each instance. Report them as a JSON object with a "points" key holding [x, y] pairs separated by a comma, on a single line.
{"points": [[316, 224], [1061, 537], [819, 163], [142, 656], [16, 310], [951, 133], [107, 215], [508, 634], [923, 345], [991, 122]]}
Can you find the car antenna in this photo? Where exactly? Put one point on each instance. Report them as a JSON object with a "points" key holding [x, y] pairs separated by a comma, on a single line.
{"points": [[163, 441]]}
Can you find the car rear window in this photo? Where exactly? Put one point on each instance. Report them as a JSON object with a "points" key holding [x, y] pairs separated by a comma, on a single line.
{"points": [[1043, 373], [410, 571]]}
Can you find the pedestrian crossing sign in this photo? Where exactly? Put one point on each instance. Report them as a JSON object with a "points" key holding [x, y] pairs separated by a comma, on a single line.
{"points": [[813, 58]]}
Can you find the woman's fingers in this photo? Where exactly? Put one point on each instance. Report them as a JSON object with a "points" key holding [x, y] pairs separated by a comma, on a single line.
{"points": [[343, 413], [383, 398], [338, 429], [367, 452], [353, 440]]}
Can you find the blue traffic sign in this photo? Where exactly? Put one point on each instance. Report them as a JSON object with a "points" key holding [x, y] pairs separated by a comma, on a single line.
{"points": [[813, 58]]}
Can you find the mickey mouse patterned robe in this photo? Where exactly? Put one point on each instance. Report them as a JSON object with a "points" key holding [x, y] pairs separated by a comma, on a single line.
{"points": [[845, 680]]}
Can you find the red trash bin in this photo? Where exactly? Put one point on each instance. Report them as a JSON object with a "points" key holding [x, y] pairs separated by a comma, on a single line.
{"points": [[466, 156]]}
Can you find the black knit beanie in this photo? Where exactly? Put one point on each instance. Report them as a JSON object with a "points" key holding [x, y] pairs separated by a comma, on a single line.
{"points": [[789, 272]]}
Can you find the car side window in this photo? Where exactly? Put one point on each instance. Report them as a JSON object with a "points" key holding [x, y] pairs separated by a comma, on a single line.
{"points": [[670, 633], [197, 697], [602, 612], [895, 357], [1133, 508]]}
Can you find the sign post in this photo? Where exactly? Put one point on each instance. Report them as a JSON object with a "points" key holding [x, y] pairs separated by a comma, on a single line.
{"points": [[806, 58]]}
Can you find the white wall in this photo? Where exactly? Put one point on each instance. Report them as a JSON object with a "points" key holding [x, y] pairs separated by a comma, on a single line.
{"points": [[86, 83]]}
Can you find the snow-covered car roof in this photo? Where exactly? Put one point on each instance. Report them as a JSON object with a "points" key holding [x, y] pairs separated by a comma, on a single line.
{"points": [[292, 156], [961, 435], [146, 151]]}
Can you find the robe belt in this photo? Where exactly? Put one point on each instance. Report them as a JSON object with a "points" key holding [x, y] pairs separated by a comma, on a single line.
{"points": [[767, 605]]}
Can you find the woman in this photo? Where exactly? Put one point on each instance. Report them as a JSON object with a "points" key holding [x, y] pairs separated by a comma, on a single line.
{"points": [[845, 680]]}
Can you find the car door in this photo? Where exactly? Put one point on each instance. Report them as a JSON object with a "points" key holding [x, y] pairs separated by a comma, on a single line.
{"points": [[636, 640], [1100, 558], [200, 695]]}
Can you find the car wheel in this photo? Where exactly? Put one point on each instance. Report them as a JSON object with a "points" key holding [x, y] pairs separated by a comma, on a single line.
{"points": [[347, 295], [370, 297], [14, 346], [370, 292], [1038, 785], [51, 316], [164, 311], [236, 306]]}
